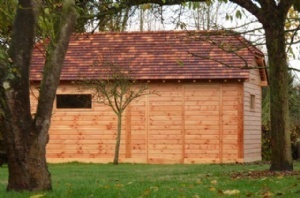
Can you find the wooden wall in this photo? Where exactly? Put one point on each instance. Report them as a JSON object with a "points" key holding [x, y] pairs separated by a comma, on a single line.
{"points": [[252, 118], [187, 123]]}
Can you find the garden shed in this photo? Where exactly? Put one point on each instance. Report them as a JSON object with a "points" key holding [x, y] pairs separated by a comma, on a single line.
{"points": [[208, 109]]}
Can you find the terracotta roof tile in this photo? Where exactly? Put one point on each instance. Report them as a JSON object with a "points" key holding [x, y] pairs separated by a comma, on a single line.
{"points": [[156, 55]]}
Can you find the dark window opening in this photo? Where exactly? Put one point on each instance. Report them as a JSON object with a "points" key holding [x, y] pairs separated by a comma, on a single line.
{"points": [[73, 101], [252, 102]]}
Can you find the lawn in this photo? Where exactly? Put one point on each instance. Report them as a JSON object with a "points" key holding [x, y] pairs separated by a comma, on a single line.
{"points": [[140, 180]]}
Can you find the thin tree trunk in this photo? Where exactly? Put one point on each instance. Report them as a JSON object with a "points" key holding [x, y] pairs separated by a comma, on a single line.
{"points": [[125, 19], [141, 19], [281, 158], [118, 139]]}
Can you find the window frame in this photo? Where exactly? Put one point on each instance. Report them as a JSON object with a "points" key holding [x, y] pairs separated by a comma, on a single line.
{"points": [[252, 102], [73, 109]]}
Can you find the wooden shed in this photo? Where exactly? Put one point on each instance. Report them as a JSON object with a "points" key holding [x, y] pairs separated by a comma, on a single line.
{"points": [[208, 109]]}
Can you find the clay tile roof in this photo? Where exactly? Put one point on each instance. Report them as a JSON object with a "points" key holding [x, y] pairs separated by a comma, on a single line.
{"points": [[156, 55]]}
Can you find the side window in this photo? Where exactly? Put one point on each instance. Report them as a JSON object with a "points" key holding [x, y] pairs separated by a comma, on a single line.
{"points": [[252, 102], [73, 101]]}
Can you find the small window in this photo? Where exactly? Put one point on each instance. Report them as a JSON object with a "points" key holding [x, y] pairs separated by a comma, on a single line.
{"points": [[252, 102], [73, 101]]}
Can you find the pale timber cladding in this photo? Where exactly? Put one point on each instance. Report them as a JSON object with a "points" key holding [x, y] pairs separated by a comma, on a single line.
{"points": [[252, 118], [205, 112], [185, 123]]}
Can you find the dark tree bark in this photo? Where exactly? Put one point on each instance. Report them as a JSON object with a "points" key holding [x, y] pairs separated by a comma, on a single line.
{"points": [[273, 16], [26, 137], [26, 156], [281, 158]]}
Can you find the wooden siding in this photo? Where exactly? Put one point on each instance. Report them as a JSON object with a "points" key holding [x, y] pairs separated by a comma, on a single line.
{"points": [[252, 118], [185, 123]]}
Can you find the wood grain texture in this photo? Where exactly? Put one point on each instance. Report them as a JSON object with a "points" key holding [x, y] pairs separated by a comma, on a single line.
{"points": [[185, 123]]}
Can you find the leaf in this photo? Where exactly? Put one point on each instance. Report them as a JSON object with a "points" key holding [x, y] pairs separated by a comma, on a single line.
{"points": [[212, 189], [179, 62], [228, 17], [214, 182], [199, 181], [267, 194], [116, 5], [154, 188], [231, 192], [38, 196], [238, 14], [119, 185]]}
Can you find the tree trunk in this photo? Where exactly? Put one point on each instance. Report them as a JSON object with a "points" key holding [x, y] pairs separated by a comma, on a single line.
{"points": [[118, 139], [281, 158], [25, 148], [26, 138], [26, 161], [272, 16]]}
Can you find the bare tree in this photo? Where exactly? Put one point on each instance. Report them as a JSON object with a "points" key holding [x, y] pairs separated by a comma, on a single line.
{"points": [[116, 89]]}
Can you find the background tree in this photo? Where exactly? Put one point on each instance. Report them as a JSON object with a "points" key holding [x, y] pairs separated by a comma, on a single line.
{"points": [[117, 90], [7, 13]]}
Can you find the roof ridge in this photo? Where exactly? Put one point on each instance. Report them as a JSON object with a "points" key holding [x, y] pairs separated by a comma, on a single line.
{"points": [[151, 32]]}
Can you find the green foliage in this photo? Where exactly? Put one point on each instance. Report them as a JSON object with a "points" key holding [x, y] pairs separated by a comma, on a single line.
{"points": [[295, 140], [294, 110], [229, 17], [238, 14], [49, 18], [2, 142], [7, 14], [266, 142]]}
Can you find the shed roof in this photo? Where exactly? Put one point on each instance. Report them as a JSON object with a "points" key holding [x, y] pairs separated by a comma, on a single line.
{"points": [[157, 55]]}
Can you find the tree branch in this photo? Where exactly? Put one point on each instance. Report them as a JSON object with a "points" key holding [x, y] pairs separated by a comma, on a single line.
{"points": [[252, 8]]}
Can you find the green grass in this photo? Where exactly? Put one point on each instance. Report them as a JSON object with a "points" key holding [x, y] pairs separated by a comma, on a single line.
{"points": [[140, 180]]}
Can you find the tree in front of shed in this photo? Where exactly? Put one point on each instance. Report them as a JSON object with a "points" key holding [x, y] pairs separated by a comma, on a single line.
{"points": [[116, 89], [26, 135], [272, 15]]}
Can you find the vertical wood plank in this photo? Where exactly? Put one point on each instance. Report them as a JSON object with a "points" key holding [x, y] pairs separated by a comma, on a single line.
{"points": [[221, 123], [147, 109], [128, 132], [240, 122], [183, 123]]}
